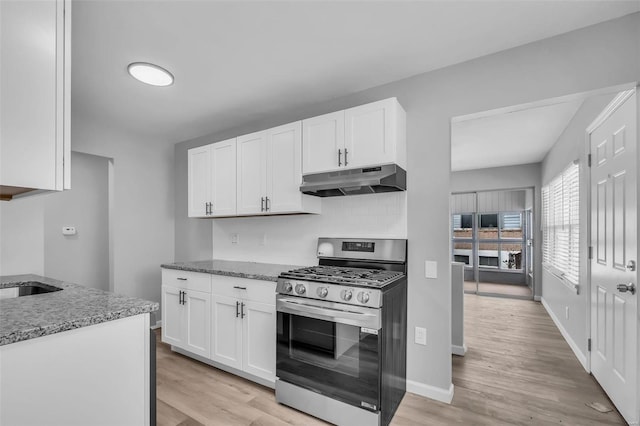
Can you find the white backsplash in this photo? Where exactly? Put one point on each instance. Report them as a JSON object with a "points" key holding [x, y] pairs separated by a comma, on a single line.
{"points": [[292, 239]]}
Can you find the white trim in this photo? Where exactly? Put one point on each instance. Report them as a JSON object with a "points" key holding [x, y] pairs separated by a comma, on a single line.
{"points": [[422, 389], [572, 344], [157, 325], [459, 350], [610, 109]]}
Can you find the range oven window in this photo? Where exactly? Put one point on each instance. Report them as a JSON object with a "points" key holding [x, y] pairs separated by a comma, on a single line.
{"points": [[337, 360]]}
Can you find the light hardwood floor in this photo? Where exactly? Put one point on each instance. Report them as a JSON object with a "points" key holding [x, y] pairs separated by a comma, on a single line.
{"points": [[518, 370]]}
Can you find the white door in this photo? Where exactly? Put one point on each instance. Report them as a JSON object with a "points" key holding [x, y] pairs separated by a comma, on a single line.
{"points": [[197, 318], [171, 316], [199, 180], [323, 143], [223, 178], [284, 171], [259, 339], [251, 173], [614, 314], [226, 331], [370, 134]]}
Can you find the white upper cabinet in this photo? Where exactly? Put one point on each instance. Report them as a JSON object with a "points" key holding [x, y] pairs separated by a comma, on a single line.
{"points": [[212, 180], [35, 85], [366, 135], [269, 173], [323, 142], [251, 173]]}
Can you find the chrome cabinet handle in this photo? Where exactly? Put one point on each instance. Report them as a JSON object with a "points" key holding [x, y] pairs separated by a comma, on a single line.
{"points": [[239, 288], [181, 298], [623, 288], [267, 204], [237, 309], [345, 157], [182, 279], [262, 204], [339, 157], [242, 310]]}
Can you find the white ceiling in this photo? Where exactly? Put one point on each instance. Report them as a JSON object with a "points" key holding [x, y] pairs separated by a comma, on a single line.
{"points": [[239, 61], [522, 136]]}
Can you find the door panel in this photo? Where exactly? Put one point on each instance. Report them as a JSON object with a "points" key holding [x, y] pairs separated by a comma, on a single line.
{"points": [[226, 340], [223, 178], [198, 322], [251, 187], [322, 137], [171, 316], [369, 134], [259, 339], [284, 168], [614, 230], [199, 180]]}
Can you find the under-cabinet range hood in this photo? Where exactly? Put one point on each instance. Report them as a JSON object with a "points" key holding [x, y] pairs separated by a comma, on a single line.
{"points": [[367, 180]]}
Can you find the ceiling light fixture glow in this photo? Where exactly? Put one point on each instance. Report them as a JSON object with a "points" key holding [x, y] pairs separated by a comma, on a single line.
{"points": [[150, 74]]}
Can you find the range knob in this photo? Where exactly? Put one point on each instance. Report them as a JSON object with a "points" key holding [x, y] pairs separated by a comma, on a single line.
{"points": [[287, 287], [363, 297], [322, 292], [300, 289], [346, 295]]}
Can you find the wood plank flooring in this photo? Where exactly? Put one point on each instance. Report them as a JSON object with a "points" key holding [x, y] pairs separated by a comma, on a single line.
{"points": [[518, 370]]}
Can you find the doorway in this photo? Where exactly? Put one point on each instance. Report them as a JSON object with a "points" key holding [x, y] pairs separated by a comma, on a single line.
{"points": [[491, 236]]}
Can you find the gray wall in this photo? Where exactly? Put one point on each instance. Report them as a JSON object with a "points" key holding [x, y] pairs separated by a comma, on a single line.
{"points": [[82, 258], [569, 147], [602, 55]]}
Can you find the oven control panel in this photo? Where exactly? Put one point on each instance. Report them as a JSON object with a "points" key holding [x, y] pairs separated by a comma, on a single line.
{"points": [[331, 292]]}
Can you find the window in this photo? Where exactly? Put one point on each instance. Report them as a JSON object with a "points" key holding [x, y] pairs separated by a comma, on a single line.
{"points": [[488, 221], [561, 224]]}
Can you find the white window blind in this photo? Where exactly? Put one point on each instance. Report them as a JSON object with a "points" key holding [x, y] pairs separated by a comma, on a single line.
{"points": [[561, 224]]}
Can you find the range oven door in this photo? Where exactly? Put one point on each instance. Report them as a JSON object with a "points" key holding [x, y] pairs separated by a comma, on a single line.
{"points": [[330, 348]]}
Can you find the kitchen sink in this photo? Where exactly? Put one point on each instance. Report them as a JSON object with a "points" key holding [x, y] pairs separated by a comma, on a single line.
{"points": [[29, 288]]}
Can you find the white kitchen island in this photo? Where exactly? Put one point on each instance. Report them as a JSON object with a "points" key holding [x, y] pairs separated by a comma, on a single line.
{"points": [[78, 356]]}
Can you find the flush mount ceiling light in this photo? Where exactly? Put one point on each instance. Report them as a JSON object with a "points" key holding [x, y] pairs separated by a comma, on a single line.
{"points": [[150, 74]]}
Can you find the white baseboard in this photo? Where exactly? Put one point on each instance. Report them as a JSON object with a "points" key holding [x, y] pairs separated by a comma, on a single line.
{"points": [[157, 325], [459, 350], [572, 344], [439, 394], [537, 298]]}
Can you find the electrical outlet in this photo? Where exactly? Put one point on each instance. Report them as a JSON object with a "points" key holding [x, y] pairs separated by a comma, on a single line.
{"points": [[566, 312], [421, 335], [235, 238], [430, 269]]}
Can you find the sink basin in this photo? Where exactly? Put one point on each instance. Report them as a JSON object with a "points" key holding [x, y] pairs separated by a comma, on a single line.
{"points": [[27, 289]]}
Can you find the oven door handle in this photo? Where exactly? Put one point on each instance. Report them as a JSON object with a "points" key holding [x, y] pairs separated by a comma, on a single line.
{"points": [[359, 319]]}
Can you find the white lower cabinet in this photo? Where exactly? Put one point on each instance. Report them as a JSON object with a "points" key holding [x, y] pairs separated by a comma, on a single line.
{"points": [[186, 311], [230, 321], [244, 325]]}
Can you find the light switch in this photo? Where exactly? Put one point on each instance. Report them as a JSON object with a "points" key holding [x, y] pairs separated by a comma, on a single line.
{"points": [[235, 238], [430, 269], [68, 230], [421, 336]]}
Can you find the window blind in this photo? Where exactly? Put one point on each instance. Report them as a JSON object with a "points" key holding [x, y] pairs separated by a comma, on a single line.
{"points": [[561, 223]]}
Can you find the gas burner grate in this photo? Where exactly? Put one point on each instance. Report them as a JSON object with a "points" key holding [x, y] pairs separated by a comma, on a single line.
{"points": [[344, 275]]}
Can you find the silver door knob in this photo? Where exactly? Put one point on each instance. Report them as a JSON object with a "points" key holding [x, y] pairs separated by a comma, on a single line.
{"points": [[623, 288]]}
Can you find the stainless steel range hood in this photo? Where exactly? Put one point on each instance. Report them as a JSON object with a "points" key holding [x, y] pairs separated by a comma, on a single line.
{"points": [[368, 180]]}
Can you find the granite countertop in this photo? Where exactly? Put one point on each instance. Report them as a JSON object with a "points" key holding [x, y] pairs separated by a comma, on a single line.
{"points": [[251, 270], [28, 317]]}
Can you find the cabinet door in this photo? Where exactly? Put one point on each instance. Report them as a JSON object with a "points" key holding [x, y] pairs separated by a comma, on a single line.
{"points": [[33, 94], [259, 339], [197, 318], [171, 316], [199, 180], [226, 332], [370, 134], [323, 143], [223, 178], [251, 173], [284, 168]]}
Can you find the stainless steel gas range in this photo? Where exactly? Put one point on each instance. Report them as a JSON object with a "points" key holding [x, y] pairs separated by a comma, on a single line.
{"points": [[342, 326]]}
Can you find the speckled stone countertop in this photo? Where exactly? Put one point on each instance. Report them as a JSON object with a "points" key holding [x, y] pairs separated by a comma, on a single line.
{"points": [[75, 306], [251, 270]]}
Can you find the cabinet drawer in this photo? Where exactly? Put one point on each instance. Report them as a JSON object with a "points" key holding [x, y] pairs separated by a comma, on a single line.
{"points": [[243, 288], [187, 280]]}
